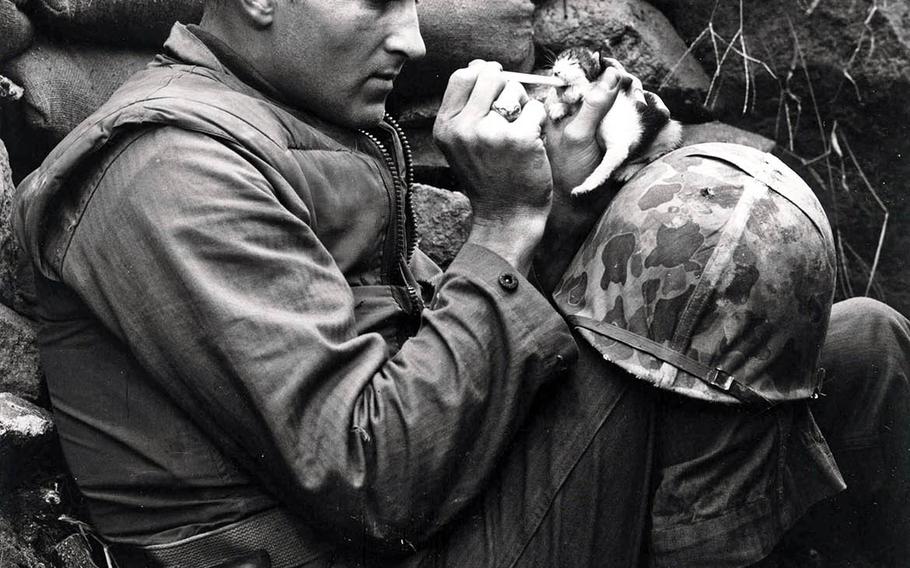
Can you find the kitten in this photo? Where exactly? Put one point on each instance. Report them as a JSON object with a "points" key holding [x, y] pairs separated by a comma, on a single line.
{"points": [[637, 129]]}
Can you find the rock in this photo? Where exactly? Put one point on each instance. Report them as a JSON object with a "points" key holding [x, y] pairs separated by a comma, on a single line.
{"points": [[443, 222], [20, 370], [416, 112], [73, 552], [722, 132], [15, 280], [850, 65], [26, 437], [14, 552], [430, 165], [638, 36]]}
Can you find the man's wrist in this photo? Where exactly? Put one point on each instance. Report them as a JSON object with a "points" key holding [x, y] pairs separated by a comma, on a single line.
{"points": [[514, 238]]}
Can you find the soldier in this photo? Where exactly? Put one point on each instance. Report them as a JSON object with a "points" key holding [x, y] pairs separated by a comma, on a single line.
{"points": [[252, 365]]}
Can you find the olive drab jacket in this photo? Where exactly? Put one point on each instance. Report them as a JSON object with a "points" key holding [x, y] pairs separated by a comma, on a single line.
{"points": [[235, 316]]}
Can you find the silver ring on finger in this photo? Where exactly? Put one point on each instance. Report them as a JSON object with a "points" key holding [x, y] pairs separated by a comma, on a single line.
{"points": [[510, 114]]}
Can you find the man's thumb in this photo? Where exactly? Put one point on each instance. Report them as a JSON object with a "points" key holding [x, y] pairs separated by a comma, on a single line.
{"points": [[597, 103]]}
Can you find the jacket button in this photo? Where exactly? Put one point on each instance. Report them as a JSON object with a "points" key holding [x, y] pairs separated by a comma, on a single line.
{"points": [[508, 281]]}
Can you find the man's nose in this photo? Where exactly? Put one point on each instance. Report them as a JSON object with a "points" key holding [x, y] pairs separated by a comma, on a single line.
{"points": [[406, 38]]}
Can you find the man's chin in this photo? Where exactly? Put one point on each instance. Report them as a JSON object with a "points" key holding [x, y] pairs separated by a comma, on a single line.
{"points": [[363, 115], [368, 115]]}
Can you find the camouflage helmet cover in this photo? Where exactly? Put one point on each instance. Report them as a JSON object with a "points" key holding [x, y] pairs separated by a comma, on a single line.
{"points": [[716, 256]]}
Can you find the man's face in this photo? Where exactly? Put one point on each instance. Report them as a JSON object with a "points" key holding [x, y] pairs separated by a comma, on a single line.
{"points": [[338, 58]]}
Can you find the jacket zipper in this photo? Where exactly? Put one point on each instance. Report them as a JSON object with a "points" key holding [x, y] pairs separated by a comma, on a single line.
{"points": [[404, 223]]}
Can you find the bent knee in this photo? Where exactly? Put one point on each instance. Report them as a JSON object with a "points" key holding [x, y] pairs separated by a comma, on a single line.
{"points": [[867, 334], [862, 317]]}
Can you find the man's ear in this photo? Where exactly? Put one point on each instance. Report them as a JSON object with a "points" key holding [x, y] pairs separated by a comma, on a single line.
{"points": [[260, 13]]}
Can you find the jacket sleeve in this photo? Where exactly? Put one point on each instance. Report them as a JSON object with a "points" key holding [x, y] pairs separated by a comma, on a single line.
{"points": [[238, 310]]}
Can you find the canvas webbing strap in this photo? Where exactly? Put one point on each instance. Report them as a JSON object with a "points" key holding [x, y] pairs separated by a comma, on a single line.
{"points": [[713, 376], [287, 542]]}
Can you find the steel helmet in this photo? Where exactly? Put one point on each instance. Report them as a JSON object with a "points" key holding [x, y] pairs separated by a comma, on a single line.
{"points": [[711, 275]]}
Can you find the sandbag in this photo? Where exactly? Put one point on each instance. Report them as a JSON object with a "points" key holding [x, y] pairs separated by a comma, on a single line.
{"points": [[63, 85], [136, 23], [16, 31], [457, 31]]}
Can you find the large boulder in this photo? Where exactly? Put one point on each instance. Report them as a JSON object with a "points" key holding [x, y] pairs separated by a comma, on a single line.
{"points": [[636, 34], [20, 371], [841, 72], [26, 434], [9, 249], [16, 286]]}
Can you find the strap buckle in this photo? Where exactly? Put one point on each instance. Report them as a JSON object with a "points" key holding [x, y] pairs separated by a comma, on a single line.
{"points": [[720, 378]]}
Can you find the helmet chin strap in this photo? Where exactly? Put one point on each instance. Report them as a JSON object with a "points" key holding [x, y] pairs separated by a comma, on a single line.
{"points": [[714, 376]]}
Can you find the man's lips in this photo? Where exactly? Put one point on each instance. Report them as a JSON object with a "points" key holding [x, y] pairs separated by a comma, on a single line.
{"points": [[388, 73]]}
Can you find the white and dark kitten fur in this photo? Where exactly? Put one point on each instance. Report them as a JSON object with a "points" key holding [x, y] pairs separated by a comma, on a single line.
{"points": [[637, 130]]}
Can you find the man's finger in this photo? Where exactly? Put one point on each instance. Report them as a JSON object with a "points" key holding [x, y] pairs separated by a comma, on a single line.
{"points": [[458, 91], [490, 83], [597, 104], [532, 118]]}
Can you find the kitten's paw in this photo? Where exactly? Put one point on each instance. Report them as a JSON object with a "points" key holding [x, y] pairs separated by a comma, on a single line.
{"points": [[627, 172], [557, 112], [573, 95], [583, 189]]}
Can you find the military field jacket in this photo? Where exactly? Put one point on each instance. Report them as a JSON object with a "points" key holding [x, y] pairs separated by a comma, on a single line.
{"points": [[235, 316]]}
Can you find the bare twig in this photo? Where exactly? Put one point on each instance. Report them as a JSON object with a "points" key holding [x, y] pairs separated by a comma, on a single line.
{"points": [[720, 59], [877, 289], [682, 58], [887, 213], [867, 32]]}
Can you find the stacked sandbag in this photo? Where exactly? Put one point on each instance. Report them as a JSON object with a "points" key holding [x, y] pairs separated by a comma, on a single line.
{"points": [[134, 23], [458, 31], [16, 30], [65, 83]]}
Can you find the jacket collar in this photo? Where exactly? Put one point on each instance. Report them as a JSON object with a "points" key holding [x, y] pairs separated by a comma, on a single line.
{"points": [[190, 45]]}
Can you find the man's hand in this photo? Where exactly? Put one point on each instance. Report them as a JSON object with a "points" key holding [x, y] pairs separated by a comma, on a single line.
{"points": [[502, 164], [572, 143], [574, 151]]}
